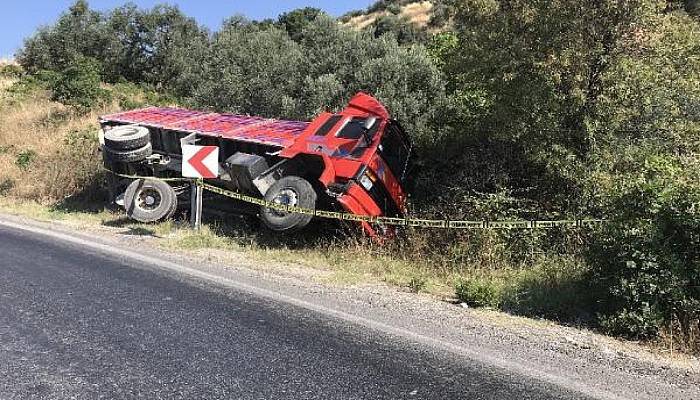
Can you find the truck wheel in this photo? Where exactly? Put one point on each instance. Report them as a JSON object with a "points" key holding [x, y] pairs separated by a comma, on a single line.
{"points": [[129, 137], [292, 191], [129, 156], [150, 200]]}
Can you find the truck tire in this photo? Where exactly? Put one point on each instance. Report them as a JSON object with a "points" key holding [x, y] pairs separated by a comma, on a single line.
{"points": [[293, 191], [129, 156], [128, 137], [150, 200]]}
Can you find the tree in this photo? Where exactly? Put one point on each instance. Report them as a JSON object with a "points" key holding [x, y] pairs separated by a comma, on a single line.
{"points": [[156, 46], [259, 70], [646, 258], [533, 73], [343, 61], [251, 69], [404, 30], [295, 21], [78, 85], [80, 32], [405, 80]]}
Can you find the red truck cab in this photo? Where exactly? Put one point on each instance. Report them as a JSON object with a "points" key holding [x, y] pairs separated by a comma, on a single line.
{"points": [[356, 159]]}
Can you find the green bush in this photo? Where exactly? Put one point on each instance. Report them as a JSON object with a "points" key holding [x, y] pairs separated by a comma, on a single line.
{"points": [[130, 96], [79, 86], [403, 29], [251, 69], [649, 255], [394, 9], [80, 32], [480, 292], [160, 46], [259, 69], [294, 22], [27, 85], [25, 159], [11, 70], [441, 15], [6, 184]]}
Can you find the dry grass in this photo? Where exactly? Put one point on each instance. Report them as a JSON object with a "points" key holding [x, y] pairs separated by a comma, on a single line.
{"points": [[5, 83], [47, 152], [363, 21], [673, 340], [417, 13]]}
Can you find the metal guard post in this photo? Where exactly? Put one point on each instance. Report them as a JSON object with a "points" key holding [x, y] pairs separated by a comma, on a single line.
{"points": [[196, 205]]}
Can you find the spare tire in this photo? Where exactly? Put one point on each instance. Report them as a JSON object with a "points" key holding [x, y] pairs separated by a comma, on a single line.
{"points": [[292, 191], [128, 156], [150, 200], [128, 137]]}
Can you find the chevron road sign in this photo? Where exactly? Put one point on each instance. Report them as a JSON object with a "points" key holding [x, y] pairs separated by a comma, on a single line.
{"points": [[200, 162]]}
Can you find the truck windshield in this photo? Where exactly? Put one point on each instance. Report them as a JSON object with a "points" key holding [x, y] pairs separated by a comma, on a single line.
{"points": [[396, 150], [355, 128]]}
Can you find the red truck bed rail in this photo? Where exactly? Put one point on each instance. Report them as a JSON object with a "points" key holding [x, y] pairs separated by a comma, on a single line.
{"points": [[259, 130]]}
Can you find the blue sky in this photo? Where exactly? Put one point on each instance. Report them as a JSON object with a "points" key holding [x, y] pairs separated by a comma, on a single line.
{"points": [[21, 18]]}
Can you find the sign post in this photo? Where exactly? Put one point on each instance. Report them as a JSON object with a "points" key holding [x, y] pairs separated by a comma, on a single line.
{"points": [[199, 162], [196, 209]]}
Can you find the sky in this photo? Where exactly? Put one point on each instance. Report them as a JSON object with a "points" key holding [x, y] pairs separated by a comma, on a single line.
{"points": [[21, 18]]}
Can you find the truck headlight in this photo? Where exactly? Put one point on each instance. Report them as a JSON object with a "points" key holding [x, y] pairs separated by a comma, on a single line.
{"points": [[367, 180]]}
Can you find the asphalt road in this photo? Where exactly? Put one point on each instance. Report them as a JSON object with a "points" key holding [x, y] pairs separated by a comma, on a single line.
{"points": [[75, 324]]}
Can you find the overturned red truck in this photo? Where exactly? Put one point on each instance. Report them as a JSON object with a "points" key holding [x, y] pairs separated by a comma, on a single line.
{"points": [[355, 160]]}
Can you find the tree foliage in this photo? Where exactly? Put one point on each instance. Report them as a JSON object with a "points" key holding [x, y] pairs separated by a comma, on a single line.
{"points": [[401, 27], [152, 46], [598, 103], [261, 70], [78, 85], [249, 69], [648, 254], [293, 67], [294, 22], [80, 32]]}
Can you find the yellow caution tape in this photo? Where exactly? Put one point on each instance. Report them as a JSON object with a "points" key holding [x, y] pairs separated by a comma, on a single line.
{"points": [[385, 221]]}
